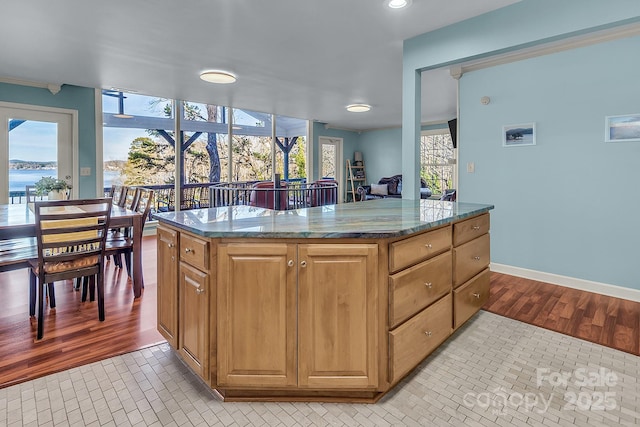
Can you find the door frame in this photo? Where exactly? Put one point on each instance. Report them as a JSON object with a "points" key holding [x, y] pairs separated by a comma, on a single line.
{"points": [[37, 109], [338, 143]]}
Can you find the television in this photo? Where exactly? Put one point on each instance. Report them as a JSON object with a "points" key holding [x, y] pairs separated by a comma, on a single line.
{"points": [[453, 130]]}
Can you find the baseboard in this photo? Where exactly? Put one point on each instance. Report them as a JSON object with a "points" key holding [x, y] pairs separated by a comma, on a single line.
{"points": [[569, 282]]}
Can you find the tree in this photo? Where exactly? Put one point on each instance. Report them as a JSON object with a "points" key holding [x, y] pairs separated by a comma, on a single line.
{"points": [[148, 162]]}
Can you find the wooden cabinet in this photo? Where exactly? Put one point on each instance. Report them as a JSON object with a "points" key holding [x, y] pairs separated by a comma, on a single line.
{"points": [[471, 276], [167, 288], [337, 315], [294, 315], [415, 288], [410, 343], [420, 301], [321, 319], [414, 249], [257, 315], [193, 323], [470, 297]]}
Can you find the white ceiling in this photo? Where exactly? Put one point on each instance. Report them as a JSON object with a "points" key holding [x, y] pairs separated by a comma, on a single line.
{"points": [[305, 59]]}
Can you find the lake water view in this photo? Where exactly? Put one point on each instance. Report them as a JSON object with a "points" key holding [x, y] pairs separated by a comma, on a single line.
{"points": [[20, 178]]}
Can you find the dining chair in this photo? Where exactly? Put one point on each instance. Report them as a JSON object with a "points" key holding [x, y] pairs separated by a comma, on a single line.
{"points": [[121, 244], [30, 193], [70, 236], [117, 194]]}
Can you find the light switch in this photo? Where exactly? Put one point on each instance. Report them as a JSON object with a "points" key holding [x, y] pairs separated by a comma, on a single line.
{"points": [[471, 167], [85, 171]]}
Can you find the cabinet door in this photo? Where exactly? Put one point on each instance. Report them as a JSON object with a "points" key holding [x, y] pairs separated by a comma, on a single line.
{"points": [[194, 319], [167, 288], [256, 315], [337, 315]]}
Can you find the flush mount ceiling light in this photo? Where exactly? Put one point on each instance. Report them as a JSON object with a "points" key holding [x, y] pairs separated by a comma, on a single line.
{"points": [[358, 108], [397, 4], [218, 76]]}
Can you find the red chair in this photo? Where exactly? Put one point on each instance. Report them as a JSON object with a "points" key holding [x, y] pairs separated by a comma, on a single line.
{"points": [[264, 195], [323, 192]]}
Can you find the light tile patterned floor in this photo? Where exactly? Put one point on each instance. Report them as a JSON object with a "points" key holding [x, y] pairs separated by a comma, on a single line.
{"points": [[494, 371]]}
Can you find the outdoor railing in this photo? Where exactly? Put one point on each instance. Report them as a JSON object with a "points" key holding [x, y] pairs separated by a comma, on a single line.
{"points": [[266, 194]]}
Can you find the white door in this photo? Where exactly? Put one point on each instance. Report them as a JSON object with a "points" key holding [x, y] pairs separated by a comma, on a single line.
{"points": [[34, 142], [331, 159]]}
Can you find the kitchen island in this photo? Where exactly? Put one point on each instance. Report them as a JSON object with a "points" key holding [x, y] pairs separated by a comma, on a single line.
{"points": [[332, 303]]}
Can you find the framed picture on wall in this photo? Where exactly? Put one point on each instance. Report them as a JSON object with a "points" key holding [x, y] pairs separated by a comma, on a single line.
{"points": [[622, 128], [519, 135]]}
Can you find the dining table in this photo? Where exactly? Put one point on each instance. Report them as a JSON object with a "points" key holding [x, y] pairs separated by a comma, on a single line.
{"points": [[18, 221]]}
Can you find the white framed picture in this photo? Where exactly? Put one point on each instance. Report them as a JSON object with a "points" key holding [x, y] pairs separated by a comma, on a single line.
{"points": [[519, 135], [622, 128]]}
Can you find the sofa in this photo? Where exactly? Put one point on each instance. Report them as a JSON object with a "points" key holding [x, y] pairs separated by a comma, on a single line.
{"points": [[388, 187]]}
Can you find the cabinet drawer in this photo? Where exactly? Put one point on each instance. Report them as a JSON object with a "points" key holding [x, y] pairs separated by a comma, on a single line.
{"points": [[410, 343], [470, 259], [469, 229], [415, 249], [470, 297], [413, 289], [194, 251]]}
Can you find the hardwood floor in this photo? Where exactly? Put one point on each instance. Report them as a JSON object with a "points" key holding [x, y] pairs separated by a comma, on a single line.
{"points": [[612, 322], [73, 335]]}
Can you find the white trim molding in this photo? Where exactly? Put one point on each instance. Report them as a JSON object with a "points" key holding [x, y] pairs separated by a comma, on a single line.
{"points": [[569, 282], [583, 40]]}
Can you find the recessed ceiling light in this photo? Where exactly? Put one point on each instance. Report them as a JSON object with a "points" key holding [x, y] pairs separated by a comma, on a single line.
{"points": [[218, 76], [397, 4], [358, 108]]}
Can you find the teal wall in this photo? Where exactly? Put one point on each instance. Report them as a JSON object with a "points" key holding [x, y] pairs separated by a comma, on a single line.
{"points": [[70, 97], [566, 205], [560, 205], [382, 151]]}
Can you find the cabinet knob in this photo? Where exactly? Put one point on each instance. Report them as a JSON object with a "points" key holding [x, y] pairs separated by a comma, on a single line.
{"points": [[199, 291], [171, 245], [187, 250], [303, 263], [428, 246], [429, 285], [428, 333], [173, 258], [475, 227], [290, 263], [477, 258], [477, 295]]}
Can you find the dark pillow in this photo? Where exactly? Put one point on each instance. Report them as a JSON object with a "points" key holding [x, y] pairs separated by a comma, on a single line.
{"points": [[393, 186]]}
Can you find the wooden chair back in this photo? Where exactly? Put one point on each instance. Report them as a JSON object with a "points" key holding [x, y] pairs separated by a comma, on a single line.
{"points": [[131, 195], [71, 237], [117, 194]]}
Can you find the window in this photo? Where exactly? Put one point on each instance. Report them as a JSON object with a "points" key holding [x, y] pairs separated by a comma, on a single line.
{"points": [[437, 160]]}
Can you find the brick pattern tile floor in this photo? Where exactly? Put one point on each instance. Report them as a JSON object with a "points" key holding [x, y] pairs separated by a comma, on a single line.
{"points": [[493, 372]]}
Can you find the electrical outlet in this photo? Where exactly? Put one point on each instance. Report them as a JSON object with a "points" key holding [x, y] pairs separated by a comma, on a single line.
{"points": [[85, 171], [471, 167]]}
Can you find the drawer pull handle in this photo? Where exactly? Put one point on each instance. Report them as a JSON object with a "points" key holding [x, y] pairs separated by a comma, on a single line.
{"points": [[475, 227], [477, 258], [428, 333], [303, 263], [199, 291], [429, 285], [477, 295], [170, 245], [428, 246], [187, 250], [290, 263]]}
